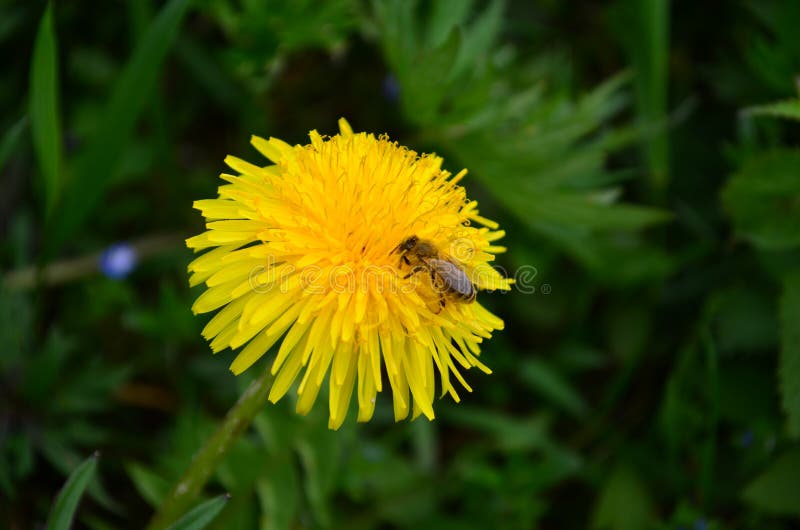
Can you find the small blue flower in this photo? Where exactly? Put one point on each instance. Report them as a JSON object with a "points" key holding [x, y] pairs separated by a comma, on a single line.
{"points": [[117, 261], [700, 524], [746, 439], [391, 88]]}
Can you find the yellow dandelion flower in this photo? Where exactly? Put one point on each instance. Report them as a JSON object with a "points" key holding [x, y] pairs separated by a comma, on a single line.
{"points": [[359, 257]]}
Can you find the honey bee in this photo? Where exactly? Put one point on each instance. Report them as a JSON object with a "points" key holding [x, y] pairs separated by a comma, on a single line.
{"points": [[447, 277]]}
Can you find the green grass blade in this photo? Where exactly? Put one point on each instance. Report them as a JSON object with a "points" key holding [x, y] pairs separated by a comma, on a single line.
{"points": [[67, 501], [200, 516], [43, 109], [643, 28], [654, 98], [94, 170], [788, 109]]}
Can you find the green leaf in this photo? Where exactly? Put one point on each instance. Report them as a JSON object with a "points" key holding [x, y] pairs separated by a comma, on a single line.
{"points": [[95, 168], [43, 109], [777, 490], [789, 367], [319, 453], [66, 503], [424, 89], [643, 27], [788, 109], [623, 503], [480, 36], [584, 211], [399, 32], [444, 16], [200, 516], [59, 453], [763, 199], [510, 433], [549, 383], [152, 487], [279, 492]]}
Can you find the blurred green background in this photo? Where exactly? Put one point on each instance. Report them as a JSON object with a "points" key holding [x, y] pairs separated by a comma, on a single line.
{"points": [[641, 154]]}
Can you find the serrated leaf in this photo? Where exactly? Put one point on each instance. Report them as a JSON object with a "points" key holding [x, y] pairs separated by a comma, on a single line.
{"points": [[43, 109], [788, 109], [95, 168], [777, 490], [789, 365], [200, 516], [66, 503], [480, 36], [763, 199]]}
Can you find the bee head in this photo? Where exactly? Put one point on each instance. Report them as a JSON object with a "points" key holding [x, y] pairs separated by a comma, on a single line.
{"points": [[407, 244]]}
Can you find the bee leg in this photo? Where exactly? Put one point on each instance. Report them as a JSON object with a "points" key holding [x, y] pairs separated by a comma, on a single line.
{"points": [[441, 304], [406, 260], [437, 282], [418, 268]]}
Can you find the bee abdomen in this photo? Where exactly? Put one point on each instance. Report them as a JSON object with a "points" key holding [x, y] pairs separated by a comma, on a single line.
{"points": [[454, 281]]}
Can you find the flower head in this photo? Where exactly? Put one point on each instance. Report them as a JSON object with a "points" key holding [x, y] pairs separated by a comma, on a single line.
{"points": [[312, 253]]}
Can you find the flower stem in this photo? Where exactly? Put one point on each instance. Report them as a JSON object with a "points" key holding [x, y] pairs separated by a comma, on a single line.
{"points": [[189, 486], [68, 270]]}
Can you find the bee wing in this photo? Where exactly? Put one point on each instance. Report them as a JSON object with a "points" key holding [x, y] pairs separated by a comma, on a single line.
{"points": [[454, 278]]}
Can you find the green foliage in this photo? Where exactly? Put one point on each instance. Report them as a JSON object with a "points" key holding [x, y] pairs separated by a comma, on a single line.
{"points": [[551, 385], [43, 110], [648, 373], [789, 362], [777, 490], [52, 398], [763, 199], [538, 152], [773, 53], [202, 515], [262, 33], [643, 29], [95, 168], [788, 109], [623, 504], [65, 505]]}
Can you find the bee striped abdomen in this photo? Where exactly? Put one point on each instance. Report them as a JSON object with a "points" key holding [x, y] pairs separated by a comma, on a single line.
{"points": [[453, 279]]}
